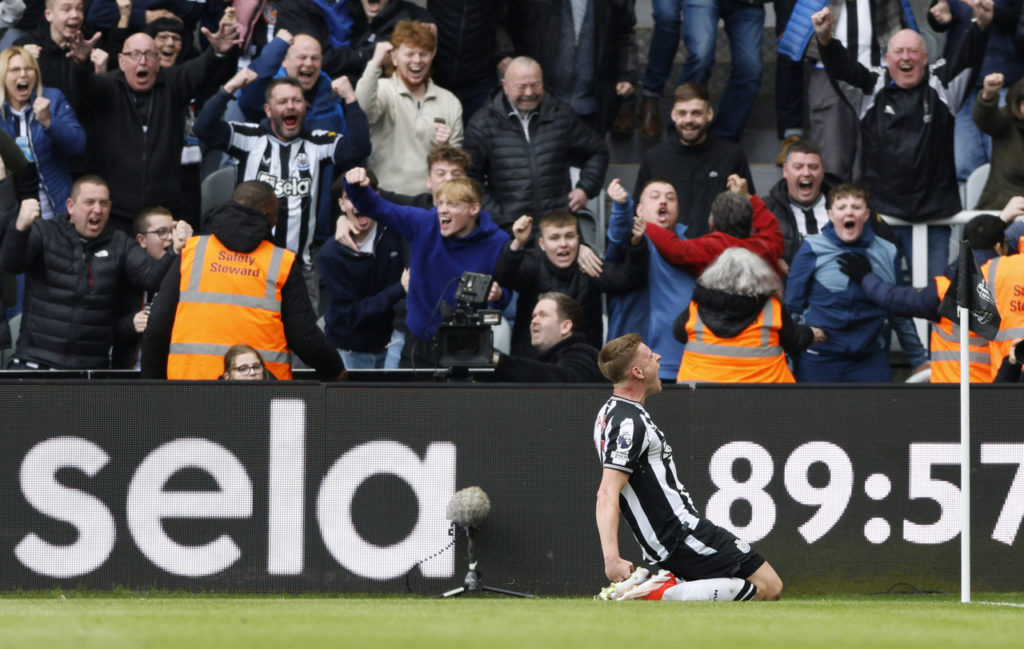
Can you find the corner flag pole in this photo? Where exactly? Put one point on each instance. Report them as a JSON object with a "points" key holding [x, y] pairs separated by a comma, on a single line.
{"points": [[972, 305], [965, 458], [964, 302]]}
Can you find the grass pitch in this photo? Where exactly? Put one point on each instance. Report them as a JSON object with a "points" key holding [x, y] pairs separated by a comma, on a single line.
{"points": [[83, 621]]}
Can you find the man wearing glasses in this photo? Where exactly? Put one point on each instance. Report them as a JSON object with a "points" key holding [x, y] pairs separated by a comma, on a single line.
{"points": [[155, 231], [138, 115]]}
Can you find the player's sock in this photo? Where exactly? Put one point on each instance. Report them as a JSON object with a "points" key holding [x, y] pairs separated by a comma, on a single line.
{"points": [[705, 590]]}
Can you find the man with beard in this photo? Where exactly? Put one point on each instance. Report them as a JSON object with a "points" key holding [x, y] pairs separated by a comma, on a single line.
{"points": [[138, 116], [697, 163], [300, 57], [282, 152]]}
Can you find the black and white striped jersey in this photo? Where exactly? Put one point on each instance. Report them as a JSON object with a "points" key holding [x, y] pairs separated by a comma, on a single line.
{"points": [[294, 170], [654, 502]]}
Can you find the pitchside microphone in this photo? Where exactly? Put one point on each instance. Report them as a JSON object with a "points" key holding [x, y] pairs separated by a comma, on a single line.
{"points": [[469, 507]]}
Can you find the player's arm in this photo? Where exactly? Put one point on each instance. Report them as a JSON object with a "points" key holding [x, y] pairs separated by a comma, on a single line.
{"points": [[612, 481]]}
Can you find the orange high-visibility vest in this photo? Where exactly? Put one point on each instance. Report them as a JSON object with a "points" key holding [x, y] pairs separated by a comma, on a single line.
{"points": [[945, 355], [1005, 277], [227, 298], [753, 356]]}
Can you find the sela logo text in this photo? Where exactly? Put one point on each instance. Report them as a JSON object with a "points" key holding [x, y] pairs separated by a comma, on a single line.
{"points": [[290, 186], [149, 503]]}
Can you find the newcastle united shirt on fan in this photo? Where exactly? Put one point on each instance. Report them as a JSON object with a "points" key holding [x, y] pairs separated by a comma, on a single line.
{"points": [[294, 170], [654, 502]]}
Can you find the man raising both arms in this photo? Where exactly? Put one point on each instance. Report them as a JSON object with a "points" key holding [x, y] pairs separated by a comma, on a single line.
{"points": [[640, 476]]}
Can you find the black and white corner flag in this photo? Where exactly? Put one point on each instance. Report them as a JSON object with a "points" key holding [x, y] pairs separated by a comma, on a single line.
{"points": [[969, 290]]}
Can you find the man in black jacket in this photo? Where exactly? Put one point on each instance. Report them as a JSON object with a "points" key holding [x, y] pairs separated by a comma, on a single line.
{"points": [[564, 356], [136, 133], [907, 113], [363, 285], [75, 267], [50, 41], [695, 161], [523, 144], [241, 226], [553, 266]]}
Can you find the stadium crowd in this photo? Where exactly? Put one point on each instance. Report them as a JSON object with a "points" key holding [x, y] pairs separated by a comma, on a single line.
{"points": [[376, 150]]}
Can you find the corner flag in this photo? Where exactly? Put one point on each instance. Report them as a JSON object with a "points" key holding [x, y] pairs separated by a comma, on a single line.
{"points": [[970, 291]]}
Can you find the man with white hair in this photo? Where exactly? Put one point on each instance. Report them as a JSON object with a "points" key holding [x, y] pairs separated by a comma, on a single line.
{"points": [[736, 329], [907, 114]]}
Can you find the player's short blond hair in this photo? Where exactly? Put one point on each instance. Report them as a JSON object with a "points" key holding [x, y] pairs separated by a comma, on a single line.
{"points": [[616, 357]]}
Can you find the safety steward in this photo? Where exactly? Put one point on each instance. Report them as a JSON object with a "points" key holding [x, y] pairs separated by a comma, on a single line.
{"points": [[986, 235], [736, 329], [221, 285], [1005, 277], [234, 286], [945, 355]]}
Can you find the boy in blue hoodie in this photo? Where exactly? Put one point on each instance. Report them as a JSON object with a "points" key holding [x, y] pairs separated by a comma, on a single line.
{"points": [[820, 294], [445, 241]]}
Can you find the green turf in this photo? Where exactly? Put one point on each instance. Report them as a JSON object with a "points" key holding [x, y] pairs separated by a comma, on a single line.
{"points": [[81, 621]]}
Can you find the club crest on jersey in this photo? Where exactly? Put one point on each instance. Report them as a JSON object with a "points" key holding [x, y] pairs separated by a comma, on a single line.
{"points": [[302, 162], [286, 186]]}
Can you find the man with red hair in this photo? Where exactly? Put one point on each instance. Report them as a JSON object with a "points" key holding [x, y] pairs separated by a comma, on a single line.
{"points": [[408, 113]]}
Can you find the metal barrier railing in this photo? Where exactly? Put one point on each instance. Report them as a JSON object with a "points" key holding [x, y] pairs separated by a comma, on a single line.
{"points": [[919, 253]]}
